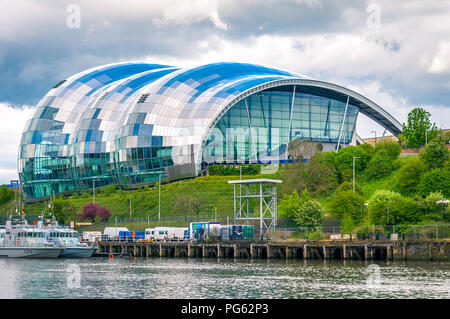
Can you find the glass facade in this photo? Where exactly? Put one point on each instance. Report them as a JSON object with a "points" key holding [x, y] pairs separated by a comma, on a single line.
{"points": [[129, 123], [258, 128]]}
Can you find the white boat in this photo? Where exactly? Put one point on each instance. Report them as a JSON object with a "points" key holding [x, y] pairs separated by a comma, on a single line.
{"points": [[68, 238], [20, 240]]}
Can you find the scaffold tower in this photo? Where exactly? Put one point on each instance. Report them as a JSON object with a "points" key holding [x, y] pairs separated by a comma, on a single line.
{"points": [[256, 200]]}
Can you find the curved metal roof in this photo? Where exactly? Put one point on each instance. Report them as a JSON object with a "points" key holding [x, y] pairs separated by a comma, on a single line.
{"points": [[123, 104]]}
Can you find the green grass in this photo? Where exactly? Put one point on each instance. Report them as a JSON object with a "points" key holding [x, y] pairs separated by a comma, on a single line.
{"points": [[213, 190]]}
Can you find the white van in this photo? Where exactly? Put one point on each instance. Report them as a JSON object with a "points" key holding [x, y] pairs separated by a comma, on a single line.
{"points": [[112, 233], [150, 233], [91, 236], [165, 233]]}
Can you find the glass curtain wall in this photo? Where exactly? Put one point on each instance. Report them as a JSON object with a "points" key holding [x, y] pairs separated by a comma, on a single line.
{"points": [[258, 128]]}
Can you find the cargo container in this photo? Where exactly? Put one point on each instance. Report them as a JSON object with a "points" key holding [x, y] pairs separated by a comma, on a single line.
{"points": [[225, 233], [236, 232], [203, 230], [249, 231], [131, 236]]}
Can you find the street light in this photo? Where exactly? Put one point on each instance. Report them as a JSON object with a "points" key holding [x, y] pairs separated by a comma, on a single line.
{"points": [[365, 205], [93, 190], [375, 136], [159, 197], [354, 157]]}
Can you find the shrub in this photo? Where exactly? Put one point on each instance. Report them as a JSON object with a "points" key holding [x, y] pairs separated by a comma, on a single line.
{"points": [[387, 207], [408, 177], [380, 165], [435, 154], [6, 194], [392, 149], [310, 214], [346, 204], [431, 210], [291, 203], [436, 180]]}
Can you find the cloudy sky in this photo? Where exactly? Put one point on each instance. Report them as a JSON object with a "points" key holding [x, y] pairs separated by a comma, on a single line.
{"points": [[397, 53]]}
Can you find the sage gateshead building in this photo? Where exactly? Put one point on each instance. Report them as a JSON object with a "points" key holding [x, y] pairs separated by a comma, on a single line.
{"points": [[130, 123]]}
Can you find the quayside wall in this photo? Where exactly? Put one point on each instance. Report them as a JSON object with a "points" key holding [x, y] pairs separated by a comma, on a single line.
{"points": [[337, 250]]}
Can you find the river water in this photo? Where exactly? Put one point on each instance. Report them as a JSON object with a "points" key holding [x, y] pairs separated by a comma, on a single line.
{"points": [[197, 278]]}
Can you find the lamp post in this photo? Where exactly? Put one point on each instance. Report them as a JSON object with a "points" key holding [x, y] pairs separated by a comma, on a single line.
{"points": [[375, 137], [354, 157], [93, 191], [365, 205], [159, 197]]}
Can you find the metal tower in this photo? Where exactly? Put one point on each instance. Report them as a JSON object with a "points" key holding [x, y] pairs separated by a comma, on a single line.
{"points": [[256, 199]]}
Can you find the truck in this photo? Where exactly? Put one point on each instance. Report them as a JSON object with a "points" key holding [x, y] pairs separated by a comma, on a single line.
{"points": [[165, 233], [131, 236], [203, 230], [91, 236], [112, 233]]}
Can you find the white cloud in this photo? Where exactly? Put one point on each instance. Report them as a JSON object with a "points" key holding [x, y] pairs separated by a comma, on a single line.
{"points": [[441, 62], [187, 12], [12, 122]]}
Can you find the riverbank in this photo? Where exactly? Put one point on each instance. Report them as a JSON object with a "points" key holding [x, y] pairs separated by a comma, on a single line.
{"points": [[316, 250]]}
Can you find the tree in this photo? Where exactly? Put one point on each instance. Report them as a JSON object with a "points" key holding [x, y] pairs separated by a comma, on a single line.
{"points": [[310, 214], [291, 203], [348, 186], [393, 149], [6, 194], [380, 165], [432, 209], [436, 180], [90, 211], [418, 128], [320, 173], [408, 176], [344, 160], [346, 204], [190, 204], [301, 150], [391, 208], [435, 154], [64, 210], [104, 213]]}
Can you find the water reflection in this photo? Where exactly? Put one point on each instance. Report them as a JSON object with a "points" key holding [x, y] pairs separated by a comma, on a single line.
{"points": [[213, 278]]}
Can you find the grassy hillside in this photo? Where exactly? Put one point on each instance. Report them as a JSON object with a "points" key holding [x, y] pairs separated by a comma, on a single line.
{"points": [[214, 191]]}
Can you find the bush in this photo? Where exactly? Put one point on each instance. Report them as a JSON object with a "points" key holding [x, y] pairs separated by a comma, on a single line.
{"points": [[435, 154], [310, 214], [6, 194], [392, 149], [347, 204], [348, 186], [380, 165], [390, 208], [432, 211], [344, 160], [408, 177], [436, 180], [291, 203], [231, 170]]}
